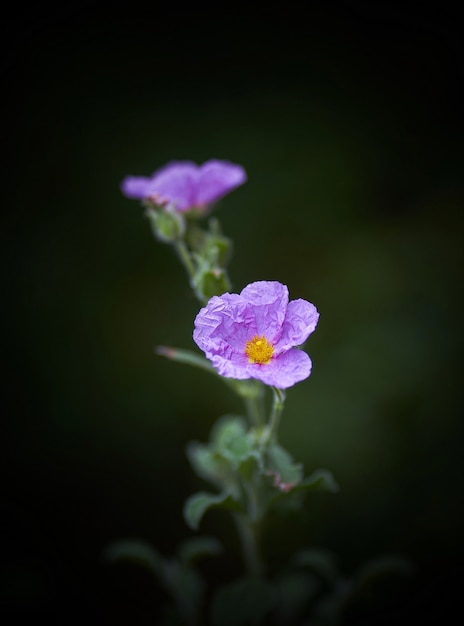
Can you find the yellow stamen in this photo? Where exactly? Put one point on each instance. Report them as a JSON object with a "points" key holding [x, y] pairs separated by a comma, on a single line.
{"points": [[259, 350]]}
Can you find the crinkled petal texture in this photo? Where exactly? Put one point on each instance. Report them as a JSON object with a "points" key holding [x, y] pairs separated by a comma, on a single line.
{"points": [[185, 184], [225, 325], [176, 183]]}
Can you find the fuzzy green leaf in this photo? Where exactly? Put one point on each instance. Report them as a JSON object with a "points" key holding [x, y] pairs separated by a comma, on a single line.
{"points": [[187, 357], [136, 552], [198, 547], [281, 465], [232, 452], [383, 568], [231, 439], [206, 463], [241, 603], [319, 480], [199, 503], [321, 562], [243, 388]]}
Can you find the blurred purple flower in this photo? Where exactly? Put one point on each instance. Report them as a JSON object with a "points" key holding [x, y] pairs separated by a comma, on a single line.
{"points": [[253, 335], [185, 184]]}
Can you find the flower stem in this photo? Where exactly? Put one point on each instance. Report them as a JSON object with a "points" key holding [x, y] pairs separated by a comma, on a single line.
{"points": [[186, 260], [254, 409], [184, 256], [277, 408], [248, 532]]}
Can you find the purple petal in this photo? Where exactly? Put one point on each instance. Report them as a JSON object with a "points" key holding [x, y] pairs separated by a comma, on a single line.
{"points": [[216, 179], [300, 321], [269, 300], [236, 366], [224, 325], [176, 182], [284, 370], [136, 187]]}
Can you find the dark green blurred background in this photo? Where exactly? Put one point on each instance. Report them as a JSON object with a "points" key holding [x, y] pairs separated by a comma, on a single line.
{"points": [[348, 122]]}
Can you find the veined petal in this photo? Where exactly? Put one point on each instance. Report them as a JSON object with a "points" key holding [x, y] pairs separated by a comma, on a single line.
{"points": [[185, 184], [227, 321], [215, 179], [177, 182], [236, 366], [269, 300], [252, 335], [300, 321], [285, 370]]}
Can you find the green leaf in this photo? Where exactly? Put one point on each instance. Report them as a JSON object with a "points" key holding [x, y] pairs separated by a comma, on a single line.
{"points": [[382, 568], [321, 562], [231, 453], [250, 465], [247, 601], [186, 587], [243, 388], [296, 591], [199, 503], [319, 480], [136, 552], [206, 463], [236, 445], [187, 357], [198, 547], [281, 466], [231, 439]]}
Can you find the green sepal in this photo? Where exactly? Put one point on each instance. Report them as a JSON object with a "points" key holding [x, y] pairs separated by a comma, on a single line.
{"points": [[211, 281], [210, 245], [167, 224], [247, 601], [199, 503]]}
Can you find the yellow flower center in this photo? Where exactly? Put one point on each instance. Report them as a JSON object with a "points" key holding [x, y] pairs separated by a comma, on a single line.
{"points": [[259, 350]]}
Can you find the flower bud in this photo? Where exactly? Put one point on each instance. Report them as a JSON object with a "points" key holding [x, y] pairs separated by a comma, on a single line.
{"points": [[211, 282], [211, 245], [166, 224]]}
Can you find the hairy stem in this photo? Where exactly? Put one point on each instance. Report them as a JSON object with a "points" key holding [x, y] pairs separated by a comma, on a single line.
{"points": [[186, 260], [248, 532], [277, 408], [254, 409]]}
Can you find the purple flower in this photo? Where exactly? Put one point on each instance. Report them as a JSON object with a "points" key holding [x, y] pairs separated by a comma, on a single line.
{"points": [[186, 185], [254, 334]]}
